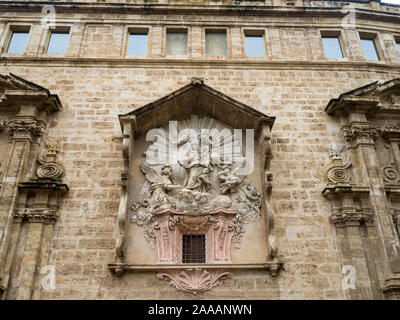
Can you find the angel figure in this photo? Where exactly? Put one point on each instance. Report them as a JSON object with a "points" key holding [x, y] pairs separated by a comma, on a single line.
{"points": [[229, 179], [160, 185]]}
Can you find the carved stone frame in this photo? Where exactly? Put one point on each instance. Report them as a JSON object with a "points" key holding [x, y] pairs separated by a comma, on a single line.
{"points": [[158, 113]]}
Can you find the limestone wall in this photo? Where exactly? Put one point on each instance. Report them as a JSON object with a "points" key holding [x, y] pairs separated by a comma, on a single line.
{"points": [[96, 82]]}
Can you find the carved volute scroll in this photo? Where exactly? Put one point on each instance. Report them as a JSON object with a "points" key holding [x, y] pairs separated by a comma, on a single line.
{"points": [[31, 188], [193, 177], [365, 192]]}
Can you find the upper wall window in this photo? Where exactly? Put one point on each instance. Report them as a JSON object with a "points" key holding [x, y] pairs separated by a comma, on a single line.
{"points": [[58, 41], [370, 49], [18, 40], [177, 42], [332, 46], [216, 43], [255, 43], [137, 43], [398, 45]]}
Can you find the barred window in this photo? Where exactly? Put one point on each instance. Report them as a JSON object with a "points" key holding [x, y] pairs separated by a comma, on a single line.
{"points": [[193, 248]]}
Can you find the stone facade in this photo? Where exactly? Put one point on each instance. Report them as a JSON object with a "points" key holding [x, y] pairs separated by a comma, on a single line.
{"points": [[331, 185]]}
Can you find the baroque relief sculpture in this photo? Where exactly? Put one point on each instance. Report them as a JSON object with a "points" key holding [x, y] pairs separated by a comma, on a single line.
{"points": [[199, 180]]}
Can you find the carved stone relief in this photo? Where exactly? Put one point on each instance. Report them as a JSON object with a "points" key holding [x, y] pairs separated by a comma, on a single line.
{"points": [[194, 280], [196, 183], [192, 176]]}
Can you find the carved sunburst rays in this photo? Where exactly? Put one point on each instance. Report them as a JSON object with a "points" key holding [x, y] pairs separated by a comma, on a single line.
{"points": [[214, 142]]}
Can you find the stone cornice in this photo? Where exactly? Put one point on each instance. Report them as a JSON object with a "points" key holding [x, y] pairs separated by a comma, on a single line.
{"points": [[268, 266], [345, 219], [244, 9], [192, 63]]}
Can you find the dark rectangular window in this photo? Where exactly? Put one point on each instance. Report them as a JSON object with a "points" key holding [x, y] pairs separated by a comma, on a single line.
{"points": [[193, 248], [370, 50], [332, 47], [398, 46], [216, 44], [18, 41], [137, 44], [177, 43], [58, 42]]}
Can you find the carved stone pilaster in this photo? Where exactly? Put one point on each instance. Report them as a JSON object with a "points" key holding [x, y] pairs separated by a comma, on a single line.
{"points": [[24, 197], [368, 114], [338, 174]]}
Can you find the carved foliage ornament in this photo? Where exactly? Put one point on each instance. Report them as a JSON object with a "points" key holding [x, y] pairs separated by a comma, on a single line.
{"points": [[354, 132], [25, 126], [194, 280]]}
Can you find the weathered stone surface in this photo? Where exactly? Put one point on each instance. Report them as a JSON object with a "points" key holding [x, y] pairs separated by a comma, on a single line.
{"points": [[294, 83]]}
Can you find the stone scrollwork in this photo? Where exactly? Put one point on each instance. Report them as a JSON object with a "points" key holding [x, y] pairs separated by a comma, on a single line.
{"points": [[390, 175], [51, 169], [337, 172], [194, 280]]}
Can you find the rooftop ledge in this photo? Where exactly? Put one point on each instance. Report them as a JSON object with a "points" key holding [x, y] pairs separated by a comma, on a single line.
{"points": [[228, 6]]}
